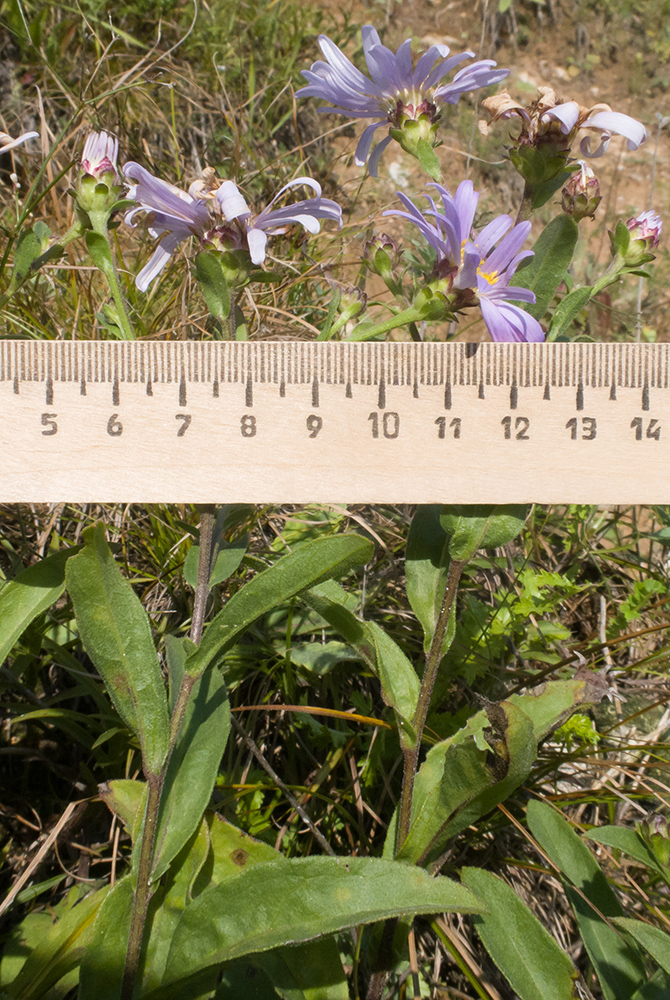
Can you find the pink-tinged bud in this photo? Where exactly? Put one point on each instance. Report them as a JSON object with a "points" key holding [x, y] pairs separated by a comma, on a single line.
{"points": [[99, 155], [647, 226], [581, 195], [381, 254]]}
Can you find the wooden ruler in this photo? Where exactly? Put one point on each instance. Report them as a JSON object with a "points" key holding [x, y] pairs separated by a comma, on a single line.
{"points": [[334, 422]]}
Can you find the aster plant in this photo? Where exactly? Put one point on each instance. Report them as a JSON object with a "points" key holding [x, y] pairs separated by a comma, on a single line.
{"points": [[180, 861], [407, 100], [475, 268]]}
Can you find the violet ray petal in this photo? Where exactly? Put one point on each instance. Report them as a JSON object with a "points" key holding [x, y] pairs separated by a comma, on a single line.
{"points": [[157, 261], [501, 257], [613, 121], [296, 182], [157, 195], [425, 66], [465, 201], [7, 143], [383, 70], [376, 154], [507, 322], [365, 142], [403, 60], [491, 233], [517, 294], [344, 66], [445, 66], [567, 114]]}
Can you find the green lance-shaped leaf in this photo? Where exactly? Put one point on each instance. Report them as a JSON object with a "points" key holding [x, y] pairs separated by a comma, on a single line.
{"points": [[100, 251], [228, 558], [617, 964], [481, 527], [657, 988], [568, 309], [465, 777], [309, 971], [60, 948], [553, 252], [104, 960], [174, 894], [309, 565], [426, 563], [211, 278], [427, 157], [622, 838], [285, 902], [549, 705], [116, 634], [654, 941], [126, 799], [28, 249], [526, 953], [192, 770], [399, 682], [28, 594]]}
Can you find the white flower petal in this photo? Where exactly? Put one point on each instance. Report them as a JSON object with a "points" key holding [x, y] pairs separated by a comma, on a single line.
{"points": [[613, 121], [257, 241], [8, 143], [232, 202]]}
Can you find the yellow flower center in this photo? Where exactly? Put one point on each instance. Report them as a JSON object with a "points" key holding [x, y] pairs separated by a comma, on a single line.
{"points": [[490, 276]]}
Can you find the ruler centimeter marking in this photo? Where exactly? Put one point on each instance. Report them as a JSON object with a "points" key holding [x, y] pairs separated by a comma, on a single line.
{"points": [[297, 422]]}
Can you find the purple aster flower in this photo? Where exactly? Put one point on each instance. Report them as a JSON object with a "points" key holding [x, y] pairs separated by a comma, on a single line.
{"points": [[7, 143], [540, 119], [394, 93], [217, 215], [275, 221], [480, 264]]}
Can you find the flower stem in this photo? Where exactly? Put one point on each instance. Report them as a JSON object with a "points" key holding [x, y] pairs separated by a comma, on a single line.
{"points": [[411, 754], [155, 782], [526, 206], [143, 891], [108, 268], [407, 316]]}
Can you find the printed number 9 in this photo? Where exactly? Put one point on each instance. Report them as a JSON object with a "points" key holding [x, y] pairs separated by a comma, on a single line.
{"points": [[314, 425]]}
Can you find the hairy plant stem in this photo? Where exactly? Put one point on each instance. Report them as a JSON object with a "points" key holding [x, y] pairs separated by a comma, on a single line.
{"points": [[411, 754], [411, 761], [112, 278], [143, 890], [526, 206], [155, 782], [407, 316]]}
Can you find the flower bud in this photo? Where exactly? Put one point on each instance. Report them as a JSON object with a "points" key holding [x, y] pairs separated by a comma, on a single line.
{"points": [[581, 195], [634, 241], [655, 832], [353, 301], [381, 255], [98, 187], [99, 155], [646, 227]]}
